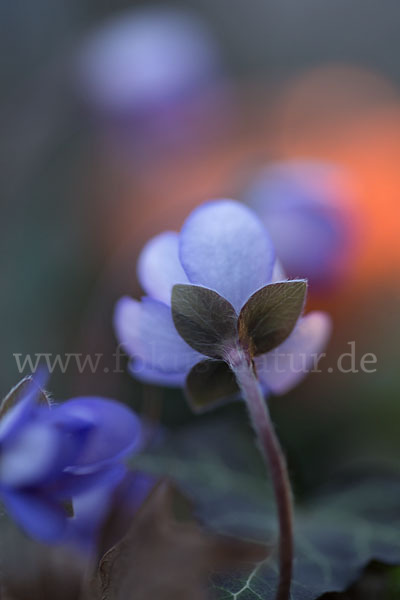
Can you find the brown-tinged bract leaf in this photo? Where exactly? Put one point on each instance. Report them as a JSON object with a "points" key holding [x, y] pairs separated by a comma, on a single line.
{"points": [[166, 558], [209, 384], [15, 395], [203, 318], [270, 314]]}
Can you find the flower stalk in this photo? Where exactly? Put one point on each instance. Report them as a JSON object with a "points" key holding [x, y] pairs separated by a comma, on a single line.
{"points": [[241, 364]]}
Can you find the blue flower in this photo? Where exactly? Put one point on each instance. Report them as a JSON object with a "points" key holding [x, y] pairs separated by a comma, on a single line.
{"points": [[222, 246], [52, 454], [153, 69], [305, 207]]}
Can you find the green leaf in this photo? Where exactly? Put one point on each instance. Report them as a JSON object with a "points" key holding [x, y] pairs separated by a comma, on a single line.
{"points": [[205, 320], [16, 393], [210, 383], [337, 533], [270, 314]]}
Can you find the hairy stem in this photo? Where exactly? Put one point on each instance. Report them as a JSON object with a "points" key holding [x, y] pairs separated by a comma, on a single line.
{"points": [[242, 366]]}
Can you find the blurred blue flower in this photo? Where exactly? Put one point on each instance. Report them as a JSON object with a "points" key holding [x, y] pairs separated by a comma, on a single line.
{"points": [[306, 209], [156, 69], [225, 247], [50, 455]]}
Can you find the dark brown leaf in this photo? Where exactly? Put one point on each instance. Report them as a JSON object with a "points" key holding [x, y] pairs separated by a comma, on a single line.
{"points": [[209, 384], [205, 320], [270, 314]]}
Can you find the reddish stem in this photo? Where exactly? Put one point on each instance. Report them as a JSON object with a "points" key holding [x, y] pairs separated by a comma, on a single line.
{"points": [[243, 368]]}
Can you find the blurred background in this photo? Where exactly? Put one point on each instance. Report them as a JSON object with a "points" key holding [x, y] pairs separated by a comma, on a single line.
{"points": [[118, 118]]}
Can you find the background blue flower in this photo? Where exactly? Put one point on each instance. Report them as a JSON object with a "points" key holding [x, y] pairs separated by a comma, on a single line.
{"points": [[306, 207], [52, 454]]}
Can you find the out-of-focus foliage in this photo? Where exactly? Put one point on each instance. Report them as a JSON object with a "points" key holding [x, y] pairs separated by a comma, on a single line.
{"points": [[339, 529], [145, 562], [148, 561], [379, 580]]}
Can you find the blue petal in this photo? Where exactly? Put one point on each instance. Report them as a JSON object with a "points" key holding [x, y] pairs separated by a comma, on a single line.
{"points": [[90, 512], [116, 430], [159, 267], [148, 375], [146, 331], [278, 273], [40, 517], [31, 456], [71, 483], [91, 506], [225, 247], [284, 367]]}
